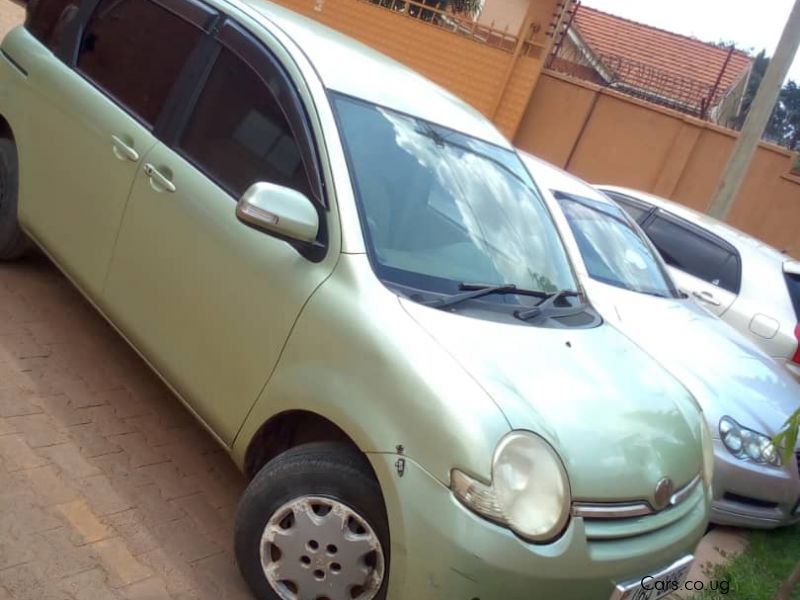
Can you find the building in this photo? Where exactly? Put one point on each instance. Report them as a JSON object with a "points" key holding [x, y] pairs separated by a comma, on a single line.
{"points": [[659, 66]]}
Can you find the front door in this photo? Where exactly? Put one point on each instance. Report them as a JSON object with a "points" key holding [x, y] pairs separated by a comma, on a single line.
{"points": [[702, 265], [94, 122], [209, 300]]}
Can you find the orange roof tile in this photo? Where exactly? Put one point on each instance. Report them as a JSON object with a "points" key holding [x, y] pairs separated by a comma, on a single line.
{"points": [[676, 66]]}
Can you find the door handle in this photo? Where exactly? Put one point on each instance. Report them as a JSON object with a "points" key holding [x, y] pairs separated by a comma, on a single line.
{"points": [[122, 150], [706, 297], [158, 181]]}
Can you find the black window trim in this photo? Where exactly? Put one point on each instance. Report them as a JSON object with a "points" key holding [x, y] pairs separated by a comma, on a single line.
{"points": [[705, 235], [620, 198]]}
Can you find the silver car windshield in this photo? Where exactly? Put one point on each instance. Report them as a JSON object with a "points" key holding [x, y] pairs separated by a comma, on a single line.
{"points": [[613, 250], [439, 207]]}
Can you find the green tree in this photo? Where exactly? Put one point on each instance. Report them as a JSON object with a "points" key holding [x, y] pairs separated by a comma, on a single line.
{"points": [[787, 440], [789, 101], [774, 131]]}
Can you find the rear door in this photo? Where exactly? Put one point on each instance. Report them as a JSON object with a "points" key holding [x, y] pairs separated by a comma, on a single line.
{"points": [[94, 109], [702, 265], [209, 300]]}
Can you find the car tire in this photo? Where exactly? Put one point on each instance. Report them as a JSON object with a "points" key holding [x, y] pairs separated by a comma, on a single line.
{"points": [[13, 242], [309, 522]]}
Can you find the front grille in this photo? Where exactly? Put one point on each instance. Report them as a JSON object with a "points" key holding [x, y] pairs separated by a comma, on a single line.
{"points": [[616, 520]]}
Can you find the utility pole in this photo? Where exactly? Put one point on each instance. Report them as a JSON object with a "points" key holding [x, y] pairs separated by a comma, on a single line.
{"points": [[757, 118]]}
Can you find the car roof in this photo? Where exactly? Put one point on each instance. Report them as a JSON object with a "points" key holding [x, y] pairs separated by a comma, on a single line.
{"points": [[734, 236], [555, 179], [347, 66]]}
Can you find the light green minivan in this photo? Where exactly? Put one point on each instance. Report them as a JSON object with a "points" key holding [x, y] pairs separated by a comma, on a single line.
{"points": [[350, 279]]}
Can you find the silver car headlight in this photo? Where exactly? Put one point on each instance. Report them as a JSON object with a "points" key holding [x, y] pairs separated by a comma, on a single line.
{"points": [[529, 491], [747, 444]]}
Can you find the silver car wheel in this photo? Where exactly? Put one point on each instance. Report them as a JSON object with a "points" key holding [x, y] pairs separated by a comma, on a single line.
{"points": [[316, 548]]}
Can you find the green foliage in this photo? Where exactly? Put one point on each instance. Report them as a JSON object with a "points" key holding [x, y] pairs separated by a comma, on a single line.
{"points": [[761, 569], [787, 438], [784, 125], [789, 103]]}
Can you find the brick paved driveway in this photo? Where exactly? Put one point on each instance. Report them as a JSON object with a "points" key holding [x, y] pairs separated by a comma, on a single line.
{"points": [[108, 488]]}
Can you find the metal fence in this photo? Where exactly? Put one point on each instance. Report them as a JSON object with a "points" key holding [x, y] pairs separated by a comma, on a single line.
{"points": [[429, 11]]}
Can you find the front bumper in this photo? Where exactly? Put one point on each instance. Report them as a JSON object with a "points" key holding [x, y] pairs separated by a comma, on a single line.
{"points": [[439, 549], [750, 495]]}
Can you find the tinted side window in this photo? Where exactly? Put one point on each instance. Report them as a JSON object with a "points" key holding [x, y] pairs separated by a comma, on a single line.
{"points": [[238, 134], [693, 254], [47, 19], [134, 50], [793, 283]]}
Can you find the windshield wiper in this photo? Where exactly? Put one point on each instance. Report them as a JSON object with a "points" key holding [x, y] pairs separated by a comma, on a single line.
{"points": [[478, 290], [547, 302]]}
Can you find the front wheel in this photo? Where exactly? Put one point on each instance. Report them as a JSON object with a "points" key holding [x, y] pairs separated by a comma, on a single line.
{"points": [[312, 526]]}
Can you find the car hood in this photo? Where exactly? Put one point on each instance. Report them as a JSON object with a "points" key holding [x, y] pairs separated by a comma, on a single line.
{"points": [[617, 419], [726, 373]]}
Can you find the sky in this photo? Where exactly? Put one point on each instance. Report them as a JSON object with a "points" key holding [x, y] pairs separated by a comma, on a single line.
{"points": [[752, 25]]}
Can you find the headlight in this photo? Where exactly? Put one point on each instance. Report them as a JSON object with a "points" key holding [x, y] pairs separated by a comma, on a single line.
{"points": [[529, 491], [708, 454], [747, 444]]}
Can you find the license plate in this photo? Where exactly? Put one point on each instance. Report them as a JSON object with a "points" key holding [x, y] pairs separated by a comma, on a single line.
{"points": [[653, 586]]}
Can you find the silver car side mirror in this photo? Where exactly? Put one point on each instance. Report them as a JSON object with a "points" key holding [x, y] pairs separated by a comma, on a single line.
{"points": [[279, 210]]}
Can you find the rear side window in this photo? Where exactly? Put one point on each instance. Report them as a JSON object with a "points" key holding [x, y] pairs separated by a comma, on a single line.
{"points": [[238, 135], [793, 283], [694, 254], [135, 50], [635, 210], [47, 19]]}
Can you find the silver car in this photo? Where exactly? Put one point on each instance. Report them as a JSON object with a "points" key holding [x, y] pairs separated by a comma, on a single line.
{"points": [[745, 395], [750, 285]]}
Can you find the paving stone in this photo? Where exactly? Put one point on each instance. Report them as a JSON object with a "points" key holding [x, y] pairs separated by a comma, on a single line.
{"points": [[103, 497], [15, 404], [16, 453], [108, 487], [176, 574], [123, 568], [150, 589], [27, 582], [84, 522], [221, 577], [48, 485], [89, 585], [137, 531], [38, 430], [139, 451], [70, 460]]}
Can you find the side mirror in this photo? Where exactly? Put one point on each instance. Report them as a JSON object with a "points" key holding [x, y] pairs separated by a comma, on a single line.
{"points": [[279, 210]]}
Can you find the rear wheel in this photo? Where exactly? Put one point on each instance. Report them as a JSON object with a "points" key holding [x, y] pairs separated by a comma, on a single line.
{"points": [[13, 242], [312, 526]]}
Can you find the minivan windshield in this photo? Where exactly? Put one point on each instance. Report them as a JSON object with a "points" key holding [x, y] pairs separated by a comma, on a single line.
{"points": [[440, 208], [613, 249]]}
